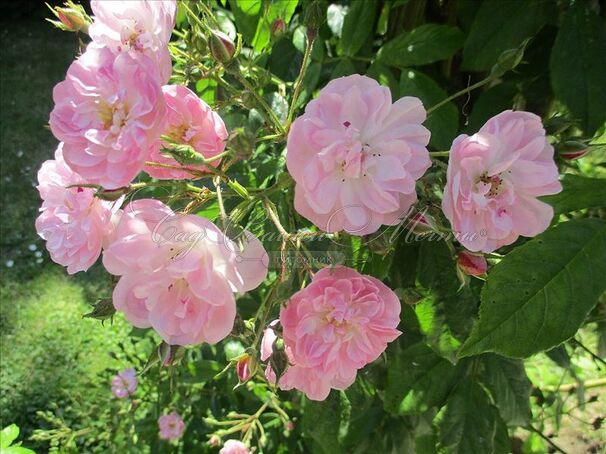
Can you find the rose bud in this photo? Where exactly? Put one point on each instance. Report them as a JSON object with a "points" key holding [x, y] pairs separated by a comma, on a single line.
{"points": [[245, 367], [420, 223], [72, 17], [222, 47], [472, 264], [572, 149], [278, 27]]}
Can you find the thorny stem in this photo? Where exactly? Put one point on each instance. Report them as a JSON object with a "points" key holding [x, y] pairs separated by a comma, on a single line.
{"points": [[299, 82]]}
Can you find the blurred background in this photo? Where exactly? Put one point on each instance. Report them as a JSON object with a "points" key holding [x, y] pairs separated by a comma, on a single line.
{"points": [[55, 365]]}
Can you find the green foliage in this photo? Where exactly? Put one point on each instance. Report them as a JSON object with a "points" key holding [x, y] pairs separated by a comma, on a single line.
{"points": [[539, 294]]}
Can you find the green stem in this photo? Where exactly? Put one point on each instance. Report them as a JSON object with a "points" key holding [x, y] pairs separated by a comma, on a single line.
{"points": [[299, 82], [460, 93], [439, 154], [217, 182], [546, 438], [263, 104]]}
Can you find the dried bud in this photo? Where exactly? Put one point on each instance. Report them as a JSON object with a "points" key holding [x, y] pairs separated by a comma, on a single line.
{"points": [[242, 141], [102, 310], [278, 27], [72, 17], [572, 149], [112, 195], [508, 60], [409, 296], [315, 16], [222, 47], [278, 360], [214, 441], [170, 354], [379, 243], [472, 263]]}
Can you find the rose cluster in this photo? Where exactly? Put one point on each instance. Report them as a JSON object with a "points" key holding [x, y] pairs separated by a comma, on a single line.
{"points": [[355, 157]]}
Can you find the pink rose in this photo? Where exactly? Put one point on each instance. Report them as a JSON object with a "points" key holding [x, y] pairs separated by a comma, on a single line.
{"points": [[74, 223], [336, 325], [234, 447], [189, 121], [136, 26], [171, 426], [355, 156], [180, 273], [125, 383], [109, 111], [493, 181]]}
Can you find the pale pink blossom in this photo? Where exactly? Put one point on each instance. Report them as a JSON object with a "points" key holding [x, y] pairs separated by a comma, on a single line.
{"points": [[125, 383], [493, 181], [171, 426], [355, 156], [336, 325], [179, 273], [109, 112], [189, 121], [74, 223], [143, 26], [234, 447]]}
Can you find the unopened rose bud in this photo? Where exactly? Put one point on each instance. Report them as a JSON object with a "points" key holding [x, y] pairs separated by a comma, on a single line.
{"points": [[214, 441], [508, 60], [421, 224], [572, 149], [245, 367], [221, 46], [72, 17], [472, 263], [315, 16], [290, 426], [278, 27], [170, 354]]}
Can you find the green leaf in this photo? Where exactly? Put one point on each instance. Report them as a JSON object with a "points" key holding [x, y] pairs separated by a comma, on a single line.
{"points": [[500, 25], [541, 292], [385, 77], [345, 67], [278, 9], [207, 90], [491, 102], [246, 14], [510, 388], [444, 122], [578, 66], [417, 379], [358, 26], [578, 192], [470, 424], [425, 44], [327, 422], [285, 60], [8, 435]]}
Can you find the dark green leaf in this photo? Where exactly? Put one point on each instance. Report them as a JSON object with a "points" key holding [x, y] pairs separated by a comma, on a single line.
{"points": [[327, 422], [578, 65], [491, 102], [560, 356], [425, 44], [510, 388], [385, 77], [470, 424], [285, 60], [541, 292], [578, 192], [444, 122], [500, 25], [358, 26], [417, 379], [344, 68]]}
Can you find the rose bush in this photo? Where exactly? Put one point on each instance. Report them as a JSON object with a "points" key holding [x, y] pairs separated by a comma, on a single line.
{"points": [[288, 164]]}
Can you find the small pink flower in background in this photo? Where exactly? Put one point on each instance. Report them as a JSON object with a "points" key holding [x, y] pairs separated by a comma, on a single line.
{"points": [[189, 121], [493, 181], [471, 263], [143, 26], [125, 383], [234, 447], [74, 223], [179, 273], [355, 156], [336, 325], [171, 426], [109, 112]]}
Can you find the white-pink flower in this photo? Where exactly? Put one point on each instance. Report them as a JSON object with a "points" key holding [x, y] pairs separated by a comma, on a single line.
{"points": [[171, 426], [125, 383], [179, 273], [355, 156], [336, 325], [143, 26], [234, 447], [493, 181], [109, 112], [189, 121], [74, 223]]}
